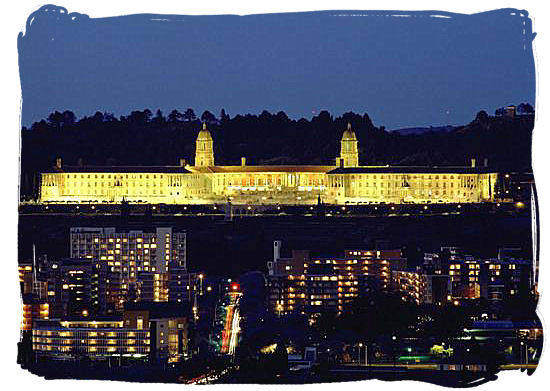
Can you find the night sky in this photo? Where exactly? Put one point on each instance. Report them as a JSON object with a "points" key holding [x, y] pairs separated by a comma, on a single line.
{"points": [[403, 71]]}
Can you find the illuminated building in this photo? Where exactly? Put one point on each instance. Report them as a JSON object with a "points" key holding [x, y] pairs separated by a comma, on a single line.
{"points": [[204, 148], [25, 278], [422, 287], [349, 152], [495, 279], [94, 338], [167, 323], [184, 285], [33, 309], [146, 331], [34, 298], [140, 265], [411, 184], [344, 181], [305, 284], [77, 287]]}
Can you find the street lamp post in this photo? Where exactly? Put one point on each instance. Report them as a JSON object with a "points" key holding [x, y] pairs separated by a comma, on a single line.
{"points": [[394, 339], [200, 280], [521, 354]]}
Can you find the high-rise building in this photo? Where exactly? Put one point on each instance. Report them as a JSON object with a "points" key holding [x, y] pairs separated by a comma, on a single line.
{"points": [[81, 287], [422, 287], [26, 277], [140, 264], [495, 279], [73, 286], [168, 324], [33, 309], [313, 284]]}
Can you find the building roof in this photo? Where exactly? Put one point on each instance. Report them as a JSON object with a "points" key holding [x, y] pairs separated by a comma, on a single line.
{"points": [[349, 134], [204, 134], [159, 310], [120, 169], [411, 170], [272, 169], [263, 168]]}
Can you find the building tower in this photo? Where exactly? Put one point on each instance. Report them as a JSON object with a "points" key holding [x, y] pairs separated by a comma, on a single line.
{"points": [[204, 148], [348, 148]]}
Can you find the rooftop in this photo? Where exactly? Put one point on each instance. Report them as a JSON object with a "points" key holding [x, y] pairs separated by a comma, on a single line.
{"points": [[159, 310], [119, 169], [263, 168], [411, 170]]}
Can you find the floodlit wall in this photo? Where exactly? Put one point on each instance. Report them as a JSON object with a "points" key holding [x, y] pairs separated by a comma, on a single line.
{"points": [[412, 188], [92, 342], [268, 187], [84, 187]]}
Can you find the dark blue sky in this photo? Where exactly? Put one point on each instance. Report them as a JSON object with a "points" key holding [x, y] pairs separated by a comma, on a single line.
{"points": [[402, 71]]}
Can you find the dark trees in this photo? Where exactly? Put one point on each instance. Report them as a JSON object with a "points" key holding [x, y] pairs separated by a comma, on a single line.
{"points": [[189, 115], [175, 116], [208, 117]]}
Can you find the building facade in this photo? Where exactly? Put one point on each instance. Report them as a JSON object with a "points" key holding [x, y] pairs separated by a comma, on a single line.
{"points": [[457, 277], [422, 287], [146, 331], [345, 181], [94, 339], [140, 265], [312, 285]]}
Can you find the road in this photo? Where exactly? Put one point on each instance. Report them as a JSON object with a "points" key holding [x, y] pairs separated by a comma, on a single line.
{"points": [[230, 332]]}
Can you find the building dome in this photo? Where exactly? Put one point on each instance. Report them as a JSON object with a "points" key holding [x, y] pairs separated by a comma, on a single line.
{"points": [[349, 134], [204, 148], [204, 134]]}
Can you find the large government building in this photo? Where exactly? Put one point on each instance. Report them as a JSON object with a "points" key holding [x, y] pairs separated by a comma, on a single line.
{"points": [[207, 183]]}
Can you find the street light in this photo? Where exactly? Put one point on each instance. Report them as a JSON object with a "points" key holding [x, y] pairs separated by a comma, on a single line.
{"points": [[394, 338], [201, 276], [521, 354], [359, 354]]}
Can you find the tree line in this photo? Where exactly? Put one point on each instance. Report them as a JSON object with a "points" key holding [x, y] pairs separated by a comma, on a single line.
{"points": [[144, 138]]}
